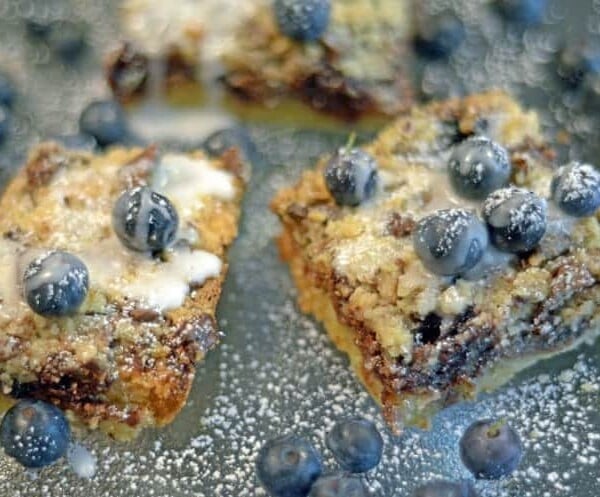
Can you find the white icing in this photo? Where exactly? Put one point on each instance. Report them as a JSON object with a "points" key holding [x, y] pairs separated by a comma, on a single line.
{"points": [[166, 285], [140, 278], [184, 181]]}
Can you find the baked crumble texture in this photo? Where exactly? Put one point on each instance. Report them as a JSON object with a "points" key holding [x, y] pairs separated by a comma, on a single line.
{"points": [[117, 364], [418, 341], [357, 69]]}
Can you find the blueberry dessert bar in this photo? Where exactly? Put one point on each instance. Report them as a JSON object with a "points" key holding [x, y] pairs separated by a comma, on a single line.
{"points": [[447, 254], [344, 58], [111, 267]]}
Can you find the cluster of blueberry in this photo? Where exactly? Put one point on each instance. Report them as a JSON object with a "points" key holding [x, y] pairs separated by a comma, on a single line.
{"points": [[65, 38], [440, 35], [56, 283], [289, 466], [437, 36], [451, 242]]}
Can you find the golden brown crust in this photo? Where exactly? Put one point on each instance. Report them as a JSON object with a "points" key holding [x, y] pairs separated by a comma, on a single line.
{"points": [[117, 364], [419, 341]]}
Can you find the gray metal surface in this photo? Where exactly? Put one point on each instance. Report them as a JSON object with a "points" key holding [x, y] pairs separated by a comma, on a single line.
{"points": [[276, 371]]}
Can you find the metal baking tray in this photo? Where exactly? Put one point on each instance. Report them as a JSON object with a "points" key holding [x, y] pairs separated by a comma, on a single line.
{"points": [[276, 371]]}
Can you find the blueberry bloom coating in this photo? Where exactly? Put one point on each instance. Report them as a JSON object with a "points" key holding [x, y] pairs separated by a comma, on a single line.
{"points": [[491, 450], [439, 36], [351, 176], [450, 242], [477, 167], [575, 189], [55, 284], [302, 20], [356, 444], [35, 433], [288, 466], [516, 219], [144, 220], [105, 121]]}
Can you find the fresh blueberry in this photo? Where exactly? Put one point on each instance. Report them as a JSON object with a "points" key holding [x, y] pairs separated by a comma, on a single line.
{"points": [[577, 61], [356, 444], [35, 433], [288, 466], [339, 485], [77, 141], [8, 92], [516, 219], [351, 176], [491, 449], [105, 121], [219, 142], [477, 167], [445, 488], [525, 12], [55, 284], [4, 123], [450, 242], [67, 39], [575, 188], [439, 36], [302, 20], [144, 220]]}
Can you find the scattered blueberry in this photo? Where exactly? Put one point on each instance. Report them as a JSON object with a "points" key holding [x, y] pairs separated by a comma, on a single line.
{"points": [[450, 242], [67, 39], [288, 466], [351, 176], [445, 488], [578, 60], [8, 92], [55, 284], [525, 12], [35, 433], [477, 167], [4, 123], [575, 188], [144, 220], [302, 20], [339, 485], [77, 141], [439, 36], [105, 121], [490, 449], [216, 144], [516, 219], [356, 444]]}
